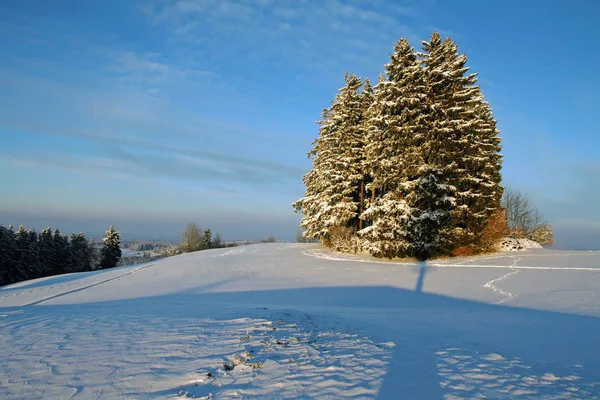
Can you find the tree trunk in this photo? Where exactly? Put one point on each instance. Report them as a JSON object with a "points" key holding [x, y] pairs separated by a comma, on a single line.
{"points": [[362, 203]]}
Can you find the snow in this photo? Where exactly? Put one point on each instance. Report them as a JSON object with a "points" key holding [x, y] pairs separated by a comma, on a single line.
{"points": [[298, 321], [510, 244]]}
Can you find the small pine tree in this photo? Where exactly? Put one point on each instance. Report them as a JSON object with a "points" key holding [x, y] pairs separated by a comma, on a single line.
{"points": [[207, 239], [110, 254]]}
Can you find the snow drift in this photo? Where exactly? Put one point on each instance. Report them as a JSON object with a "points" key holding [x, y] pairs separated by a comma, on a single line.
{"points": [[511, 244]]}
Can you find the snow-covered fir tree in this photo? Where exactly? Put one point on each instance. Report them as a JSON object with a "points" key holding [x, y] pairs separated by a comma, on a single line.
{"points": [[335, 185], [111, 249], [463, 143], [396, 129]]}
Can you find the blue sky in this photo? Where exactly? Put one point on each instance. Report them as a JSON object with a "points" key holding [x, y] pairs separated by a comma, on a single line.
{"points": [[150, 114]]}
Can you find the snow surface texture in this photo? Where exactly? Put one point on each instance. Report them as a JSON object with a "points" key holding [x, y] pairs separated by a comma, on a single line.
{"points": [[298, 321]]}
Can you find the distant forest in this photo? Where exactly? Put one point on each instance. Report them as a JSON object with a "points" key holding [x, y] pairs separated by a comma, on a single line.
{"points": [[25, 254]]}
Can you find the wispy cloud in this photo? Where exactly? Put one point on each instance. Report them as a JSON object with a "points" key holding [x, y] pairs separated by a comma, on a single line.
{"points": [[290, 30], [172, 161]]}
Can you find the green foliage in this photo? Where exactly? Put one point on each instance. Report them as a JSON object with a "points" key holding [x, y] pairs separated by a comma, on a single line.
{"points": [[427, 225], [207, 239]]}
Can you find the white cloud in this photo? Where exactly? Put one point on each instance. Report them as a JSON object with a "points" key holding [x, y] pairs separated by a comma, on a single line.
{"points": [[132, 62]]}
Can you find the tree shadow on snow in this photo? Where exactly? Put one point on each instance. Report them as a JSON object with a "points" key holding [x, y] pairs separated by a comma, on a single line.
{"points": [[421, 278]]}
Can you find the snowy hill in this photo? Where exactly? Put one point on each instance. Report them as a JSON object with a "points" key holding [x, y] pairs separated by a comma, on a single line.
{"points": [[297, 321]]}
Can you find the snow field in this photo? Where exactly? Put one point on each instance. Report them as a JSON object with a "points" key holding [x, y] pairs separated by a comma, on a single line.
{"points": [[297, 321]]}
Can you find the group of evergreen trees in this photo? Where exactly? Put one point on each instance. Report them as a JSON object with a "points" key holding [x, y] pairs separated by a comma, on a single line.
{"points": [[25, 254], [409, 167]]}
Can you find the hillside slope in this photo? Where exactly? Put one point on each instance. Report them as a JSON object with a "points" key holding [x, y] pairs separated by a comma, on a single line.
{"points": [[297, 321]]}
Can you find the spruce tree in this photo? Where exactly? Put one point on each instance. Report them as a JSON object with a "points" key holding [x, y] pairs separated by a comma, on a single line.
{"points": [[207, 239], [428, 215], [333, 186], [81, 254], [110, 254], [396, 131], [61, 260], [464, 139], [27, 257], [35, 247], [46, 251]]}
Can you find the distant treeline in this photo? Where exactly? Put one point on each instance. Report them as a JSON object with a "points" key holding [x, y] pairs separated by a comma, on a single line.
{"points": [[25, 254], [140, 258]]}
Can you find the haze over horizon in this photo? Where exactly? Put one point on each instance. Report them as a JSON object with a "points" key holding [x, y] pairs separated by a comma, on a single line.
{"points": [[151, 114]]}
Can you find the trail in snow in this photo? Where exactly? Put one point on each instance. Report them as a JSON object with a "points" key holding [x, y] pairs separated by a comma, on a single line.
{"points": [[507, 295], [328, 255], [79, 289], [19, 295]]}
